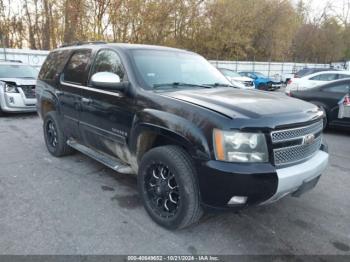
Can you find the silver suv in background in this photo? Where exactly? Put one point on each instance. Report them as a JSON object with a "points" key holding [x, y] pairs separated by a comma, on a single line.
{"points": [[17, 87]]}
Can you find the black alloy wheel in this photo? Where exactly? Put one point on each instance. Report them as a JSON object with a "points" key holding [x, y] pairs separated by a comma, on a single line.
{"points": [[162, 189], [168, 186], [51, 133]]}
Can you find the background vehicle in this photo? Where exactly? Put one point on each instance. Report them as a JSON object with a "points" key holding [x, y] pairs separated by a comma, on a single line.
{"points": [[315, 79], [173, 119], [17, 87], [261, 81], [328, 97], [234, 77], [309, 70]]}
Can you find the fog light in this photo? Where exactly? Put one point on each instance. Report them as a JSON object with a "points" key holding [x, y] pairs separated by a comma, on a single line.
{"points": [[237, 200], [12, 100]]}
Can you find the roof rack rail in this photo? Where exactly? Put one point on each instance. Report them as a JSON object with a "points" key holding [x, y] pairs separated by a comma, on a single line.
{"points": [[11, 60], [83, 43]]}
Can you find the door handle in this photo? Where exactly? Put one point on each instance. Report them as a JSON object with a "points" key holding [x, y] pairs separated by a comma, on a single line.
{"points": [[86, 100]]}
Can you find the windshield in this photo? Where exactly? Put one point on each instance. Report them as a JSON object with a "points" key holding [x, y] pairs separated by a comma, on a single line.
{"points": [[259, 74], [17, 71], [229, 73], [162, 68]]}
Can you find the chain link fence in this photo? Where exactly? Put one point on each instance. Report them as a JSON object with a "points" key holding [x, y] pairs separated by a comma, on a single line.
{"points": [[280, 71], [32, 57]]}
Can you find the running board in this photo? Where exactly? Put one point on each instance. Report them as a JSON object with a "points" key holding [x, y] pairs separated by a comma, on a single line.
{"points": [[109, 161]]}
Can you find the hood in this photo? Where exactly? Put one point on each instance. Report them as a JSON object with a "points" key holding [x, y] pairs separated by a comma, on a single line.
{"points": [[248, 104], [264, 79], [20, 81], [236, 83], [242, 79]]}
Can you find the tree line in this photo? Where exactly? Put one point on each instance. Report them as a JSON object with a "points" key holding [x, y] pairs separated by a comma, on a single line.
{"points": [[277, 30]]}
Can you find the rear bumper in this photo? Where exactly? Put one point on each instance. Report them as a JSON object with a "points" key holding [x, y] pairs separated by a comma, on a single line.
{"points": [[16, 102], [259, 183]]}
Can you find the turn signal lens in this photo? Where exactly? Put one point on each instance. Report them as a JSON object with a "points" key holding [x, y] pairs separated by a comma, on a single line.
{"points": [[219, 145], [236, 146]]}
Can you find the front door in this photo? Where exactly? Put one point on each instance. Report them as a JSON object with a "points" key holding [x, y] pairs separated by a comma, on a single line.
{"points": [[107, 115]]}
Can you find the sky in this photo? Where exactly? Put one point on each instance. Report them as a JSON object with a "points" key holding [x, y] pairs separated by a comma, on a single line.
{"points": [[316, 6]]}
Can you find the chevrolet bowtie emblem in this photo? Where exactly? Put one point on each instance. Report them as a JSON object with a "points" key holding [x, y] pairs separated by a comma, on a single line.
{"points": [[309, 139]]}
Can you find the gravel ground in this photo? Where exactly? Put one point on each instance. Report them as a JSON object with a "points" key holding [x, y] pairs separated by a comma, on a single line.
{"points": [[74, 205]]}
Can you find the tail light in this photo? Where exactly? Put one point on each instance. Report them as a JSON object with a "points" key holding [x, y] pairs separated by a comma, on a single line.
{"points": [[289, 82], [346, 100]]}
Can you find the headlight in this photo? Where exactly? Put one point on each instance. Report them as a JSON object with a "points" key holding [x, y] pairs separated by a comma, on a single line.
{"points": [[235, 146], [10, 88]]}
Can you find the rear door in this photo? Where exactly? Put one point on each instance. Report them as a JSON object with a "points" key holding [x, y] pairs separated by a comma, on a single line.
{"points": [[107, 115], [73, 78], [332, 94]]}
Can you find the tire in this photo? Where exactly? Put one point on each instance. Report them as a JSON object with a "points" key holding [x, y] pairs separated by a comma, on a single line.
{"points": [[55, 139], [183, 201], [262, 87]]}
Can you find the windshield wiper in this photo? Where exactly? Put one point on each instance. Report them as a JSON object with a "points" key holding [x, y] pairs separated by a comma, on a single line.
{"points": [[219, 84], [180, 84]]}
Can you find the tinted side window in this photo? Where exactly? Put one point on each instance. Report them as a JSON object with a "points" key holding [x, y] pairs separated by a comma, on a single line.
{"points": [[77, 68], [341, 88], [53, 65], [341, 76], [108, 61], [325, 77]]}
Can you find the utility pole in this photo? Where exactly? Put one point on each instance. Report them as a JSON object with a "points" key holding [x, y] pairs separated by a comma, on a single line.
{"points": [[2, 40]]}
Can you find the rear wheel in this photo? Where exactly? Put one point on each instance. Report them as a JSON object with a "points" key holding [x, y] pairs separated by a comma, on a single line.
{"points": [[262, 86], [168, 187], [55, 139]]}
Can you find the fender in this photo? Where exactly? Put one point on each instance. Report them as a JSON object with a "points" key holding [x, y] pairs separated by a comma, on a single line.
{"points": [[318, 103], [45, 95], [172, 127]]}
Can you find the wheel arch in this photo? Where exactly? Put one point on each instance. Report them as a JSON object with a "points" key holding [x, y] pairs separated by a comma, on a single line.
{"points": [[152, 128], [47, 103]]}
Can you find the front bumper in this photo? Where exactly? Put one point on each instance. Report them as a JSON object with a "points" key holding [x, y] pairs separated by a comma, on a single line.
{"points": [[260, 183], [275, 85], [16, 102]]}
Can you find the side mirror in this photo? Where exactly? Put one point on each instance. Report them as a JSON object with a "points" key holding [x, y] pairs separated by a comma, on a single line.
{"points": [[107, 81]]}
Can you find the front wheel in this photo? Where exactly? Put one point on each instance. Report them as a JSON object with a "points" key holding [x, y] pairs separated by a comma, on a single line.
{"points": [[168, 187]]}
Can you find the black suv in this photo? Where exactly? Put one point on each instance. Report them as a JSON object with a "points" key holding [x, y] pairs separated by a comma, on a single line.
{"points": [[167, 115]]}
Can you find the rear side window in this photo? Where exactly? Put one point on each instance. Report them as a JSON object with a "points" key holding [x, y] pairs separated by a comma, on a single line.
{"points": [[77, 68], [53, 65], [341, 76], [324, 77], [340, 88]]}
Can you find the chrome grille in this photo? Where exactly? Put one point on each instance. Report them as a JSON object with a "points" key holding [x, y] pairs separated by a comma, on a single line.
{"points": [[299, 147], [29, 91], [295, 133], [293, 154], [248, 83]]}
